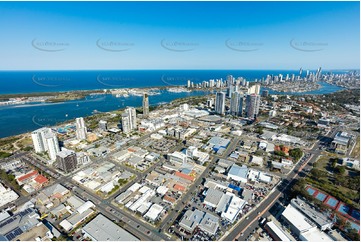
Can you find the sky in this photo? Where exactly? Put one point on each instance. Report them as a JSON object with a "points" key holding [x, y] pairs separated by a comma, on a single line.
{"points": [[179, 35]]}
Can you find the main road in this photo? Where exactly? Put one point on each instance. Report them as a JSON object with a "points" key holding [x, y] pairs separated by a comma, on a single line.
{"points": [[249, 223]]}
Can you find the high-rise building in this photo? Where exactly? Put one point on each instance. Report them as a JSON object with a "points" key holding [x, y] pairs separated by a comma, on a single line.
{"points": [[132, 117], [255, 89], [220, 106], [287, 77], [189, 83], [53, 145], [318, 73], [103, 125], [293, 77], [45, 140], [229, 80], [244, 82], [231, 89], [38, 137], [236, 104], [145, 105], [126, 123], [252, 105], [81, 130], [66, 160], [211, 83]]}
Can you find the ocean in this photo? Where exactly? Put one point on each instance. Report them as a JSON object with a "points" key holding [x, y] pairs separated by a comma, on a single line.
{"points": [[54, 81], [19, 119]]}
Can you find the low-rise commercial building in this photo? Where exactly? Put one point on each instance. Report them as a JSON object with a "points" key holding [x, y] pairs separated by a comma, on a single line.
{"points": [[238, 173], [102, 229]]}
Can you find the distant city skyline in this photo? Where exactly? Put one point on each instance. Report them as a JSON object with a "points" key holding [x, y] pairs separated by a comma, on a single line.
{"points": [[179, 35]]}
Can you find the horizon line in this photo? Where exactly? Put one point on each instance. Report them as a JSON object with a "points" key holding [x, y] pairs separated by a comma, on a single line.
{"points": [[329, 69]]}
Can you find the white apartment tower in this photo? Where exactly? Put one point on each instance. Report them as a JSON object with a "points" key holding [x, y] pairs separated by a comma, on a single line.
{"points": [[45, 140], [81, 131], [255, 89], [126, 124], [53, 145], [132, 117]]}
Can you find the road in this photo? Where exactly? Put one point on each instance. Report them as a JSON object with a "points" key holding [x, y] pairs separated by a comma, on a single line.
{"points": [[134, 226], [168, 221], [248, 224], [145, 231]]}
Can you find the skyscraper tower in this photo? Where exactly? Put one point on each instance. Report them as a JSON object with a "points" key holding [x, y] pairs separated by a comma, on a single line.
{"points": [[229, 80], [236, 104], [318, 74], [81, 130], [39, 141], [255, 89], [145, 105], [252, 105], [126, 123], [230, 90], [220, 103], [45, 140], [53, 145], [132, 117], [189, 83]]}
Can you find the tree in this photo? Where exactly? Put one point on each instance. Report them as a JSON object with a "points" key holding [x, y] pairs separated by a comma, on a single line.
{"points": [[259, 130], [279, 153], [340, 169], [333, 162], [296, 153], [4, 154], [353, 234], [341, 223]]}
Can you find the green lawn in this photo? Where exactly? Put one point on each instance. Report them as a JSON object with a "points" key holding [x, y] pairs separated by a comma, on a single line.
{"points": [[323, 177]]}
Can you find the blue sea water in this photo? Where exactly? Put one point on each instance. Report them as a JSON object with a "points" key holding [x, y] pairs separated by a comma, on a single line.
{"points": [[24, 118], [54, 81]]}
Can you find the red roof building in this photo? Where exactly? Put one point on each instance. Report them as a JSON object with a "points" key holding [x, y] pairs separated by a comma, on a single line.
{"points": [[27, 176], [179, 188], [169, 199], [184, 176], [41, 179]]}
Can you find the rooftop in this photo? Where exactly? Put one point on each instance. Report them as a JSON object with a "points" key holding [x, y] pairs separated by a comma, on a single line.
{"points": [[209, 224], [65, 153], [213, 196], [191, 219], [297, 218], [315, 235], [218, 141], [279, 232], [319, 218], [240, 171], [55, 189], [103, 229]]}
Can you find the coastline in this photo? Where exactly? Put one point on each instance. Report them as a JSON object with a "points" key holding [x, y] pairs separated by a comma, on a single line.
{"points": [[68, 122], [20, 118], [63, 96]]}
